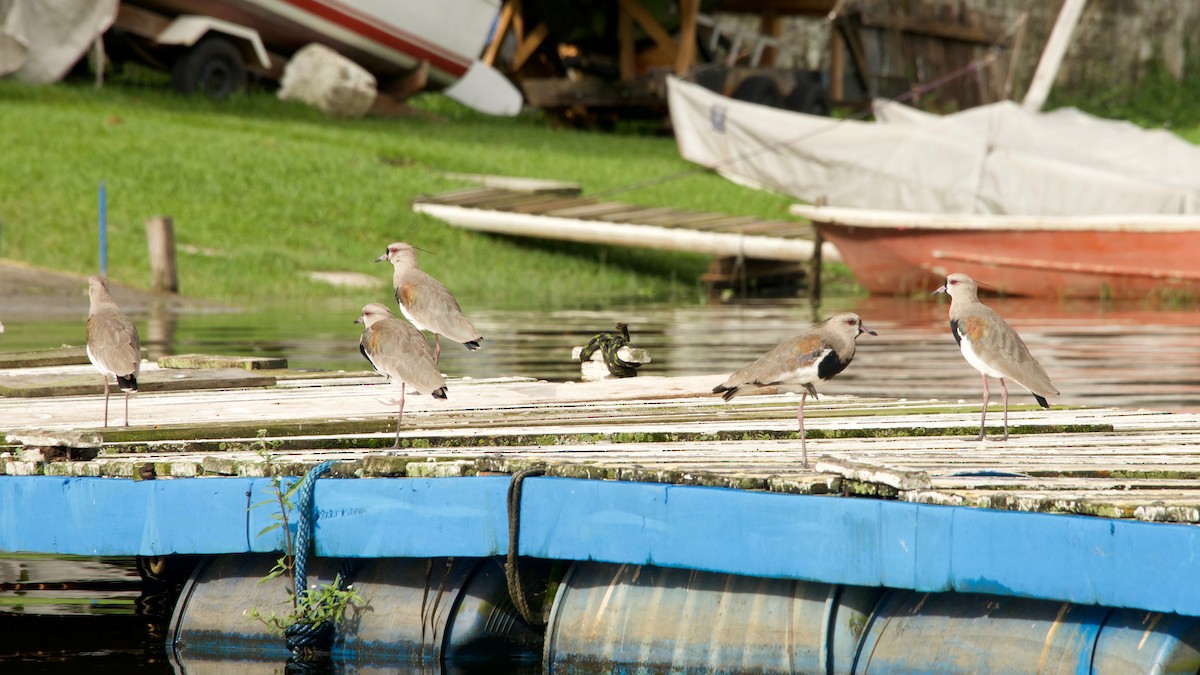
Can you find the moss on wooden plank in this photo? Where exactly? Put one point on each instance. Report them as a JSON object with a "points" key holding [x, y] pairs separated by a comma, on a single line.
{"points": [[36, 385], [63, 356], [207, 361]]}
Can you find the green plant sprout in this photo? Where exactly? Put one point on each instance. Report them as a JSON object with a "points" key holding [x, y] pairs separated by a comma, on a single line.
{"points": [[328, 603]]}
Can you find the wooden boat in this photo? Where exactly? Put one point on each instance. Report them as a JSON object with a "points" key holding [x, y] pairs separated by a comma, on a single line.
{"points": [[1097, 256]]}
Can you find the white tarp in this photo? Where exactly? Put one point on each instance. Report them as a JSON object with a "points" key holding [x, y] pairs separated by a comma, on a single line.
{"points": [[40, 40], [994, 159]]}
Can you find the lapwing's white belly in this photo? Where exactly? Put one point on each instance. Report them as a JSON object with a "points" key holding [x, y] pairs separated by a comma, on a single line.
{"points": [[804, 374], [412, 319], [96, 362], [977, 363]]}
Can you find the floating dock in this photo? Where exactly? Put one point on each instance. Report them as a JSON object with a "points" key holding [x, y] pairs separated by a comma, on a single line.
{"points": [[646, 492], [743, 246]]}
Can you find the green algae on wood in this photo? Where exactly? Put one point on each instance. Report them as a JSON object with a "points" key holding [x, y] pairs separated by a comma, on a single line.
{"points": [[199, 361]]}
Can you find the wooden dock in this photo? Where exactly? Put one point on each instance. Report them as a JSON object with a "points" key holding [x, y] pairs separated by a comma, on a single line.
{"points": [[1091, 461], [569, 216], [645, 471]]}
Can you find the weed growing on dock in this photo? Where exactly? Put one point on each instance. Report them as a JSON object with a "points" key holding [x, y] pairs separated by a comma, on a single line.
{"points": [[325, 605]]}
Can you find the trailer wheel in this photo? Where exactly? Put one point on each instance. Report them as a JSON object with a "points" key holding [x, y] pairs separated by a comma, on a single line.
{"points": [[810, 99], [759, 89], [213, 67]]}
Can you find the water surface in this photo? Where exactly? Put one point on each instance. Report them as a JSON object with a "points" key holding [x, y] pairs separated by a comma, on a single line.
{"points": [[1096, 353]]}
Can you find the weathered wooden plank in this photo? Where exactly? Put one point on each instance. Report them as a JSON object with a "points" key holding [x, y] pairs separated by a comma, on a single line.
{"points": [[640, 215], [549, 205], [205, 361], [777, 228], [682, 219], [719, 223], [515, 201], [653, 429], [154, 380], [63, 356], [465, 197], [594, 210]]}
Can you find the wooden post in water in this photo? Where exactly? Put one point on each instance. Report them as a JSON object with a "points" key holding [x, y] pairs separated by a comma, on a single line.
{"points": [[814, 269], [160, 239]]}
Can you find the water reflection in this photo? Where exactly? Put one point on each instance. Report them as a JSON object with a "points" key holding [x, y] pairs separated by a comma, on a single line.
{"points": [[1097, 354]]}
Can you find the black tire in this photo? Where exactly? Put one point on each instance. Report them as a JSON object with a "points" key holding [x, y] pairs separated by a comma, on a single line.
{"points": [[811, 99], [213, 67], [759, 89]]}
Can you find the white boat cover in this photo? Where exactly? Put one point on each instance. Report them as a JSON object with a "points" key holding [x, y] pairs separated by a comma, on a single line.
{"points": [[40, 40], [994, 159]]}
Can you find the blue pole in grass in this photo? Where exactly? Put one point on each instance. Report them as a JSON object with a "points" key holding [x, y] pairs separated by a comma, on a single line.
{"points": [[103, 231]]}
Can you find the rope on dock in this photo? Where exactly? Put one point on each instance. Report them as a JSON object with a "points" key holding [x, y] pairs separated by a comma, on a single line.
{"points": [[512, 572], [304, 638]]}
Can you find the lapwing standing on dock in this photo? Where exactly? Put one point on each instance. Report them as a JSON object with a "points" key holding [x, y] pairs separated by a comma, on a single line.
{"points": [[113, 345], [816, 355], [426, 302], [992, 347], [400, 353]]}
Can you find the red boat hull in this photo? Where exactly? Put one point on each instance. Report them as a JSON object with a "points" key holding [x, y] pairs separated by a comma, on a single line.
{"points": [[1039, 263]]}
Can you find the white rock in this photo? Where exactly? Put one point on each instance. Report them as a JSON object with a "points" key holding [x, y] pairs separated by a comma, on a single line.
{"points": [[321, 77]]}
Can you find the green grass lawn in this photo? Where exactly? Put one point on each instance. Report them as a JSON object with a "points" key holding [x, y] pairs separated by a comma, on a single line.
{"points": [[263, 192]]}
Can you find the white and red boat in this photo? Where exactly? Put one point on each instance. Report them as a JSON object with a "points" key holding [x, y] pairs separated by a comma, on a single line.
{"points": [[1058, 204], [1106, 256]]}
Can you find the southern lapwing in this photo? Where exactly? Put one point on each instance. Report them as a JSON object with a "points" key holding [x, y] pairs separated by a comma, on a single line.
{"points": [[113, 345], [425, 301], [400, 353], [819, 353], [992, 347]]}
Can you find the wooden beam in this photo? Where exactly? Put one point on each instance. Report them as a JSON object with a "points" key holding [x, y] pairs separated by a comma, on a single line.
{"points": [[984, 35], [1052, 55], [781, 7], [502, 24], [686, 54], [644, 19], [626, 57], [530, 45], [837, 65], [771, 25], [850, 28], [160, 239]]}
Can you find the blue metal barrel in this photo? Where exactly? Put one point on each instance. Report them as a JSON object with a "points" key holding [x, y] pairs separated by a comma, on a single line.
{"points": [[913, 632], [416, 611], [608, 615]]}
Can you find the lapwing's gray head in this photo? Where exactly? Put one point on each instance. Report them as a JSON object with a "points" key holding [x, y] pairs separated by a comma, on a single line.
{"points": [[848, 324], [372, 313], [959, 286], [97, 286], [399, 253]]}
